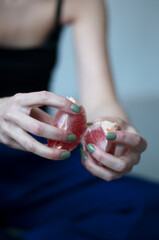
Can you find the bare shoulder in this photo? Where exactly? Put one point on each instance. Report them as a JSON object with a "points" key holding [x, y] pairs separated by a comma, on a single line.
{"points": [[75, 10]]}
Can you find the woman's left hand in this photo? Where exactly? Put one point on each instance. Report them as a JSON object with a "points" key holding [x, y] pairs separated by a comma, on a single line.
{"points": [[129, 146]]}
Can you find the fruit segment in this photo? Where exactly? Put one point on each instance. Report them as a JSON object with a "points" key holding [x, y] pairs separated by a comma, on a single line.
{"points": [[96, 134], [75, 123]]}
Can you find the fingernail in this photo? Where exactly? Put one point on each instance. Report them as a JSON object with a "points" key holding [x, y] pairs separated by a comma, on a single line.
{"points": [[71, 138], [65, 155], [90, 148], [89, 124], [75, 108], [111, 136], [83, 154]]}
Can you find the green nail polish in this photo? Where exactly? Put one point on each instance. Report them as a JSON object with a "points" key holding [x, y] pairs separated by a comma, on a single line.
{"points": [[90, 148], [71, 138], [83, 155], [110, 136], [89, 124], [75, 108], [65, 155]]}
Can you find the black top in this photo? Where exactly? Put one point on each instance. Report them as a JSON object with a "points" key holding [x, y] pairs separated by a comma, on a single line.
{"points": [[28, 70]]}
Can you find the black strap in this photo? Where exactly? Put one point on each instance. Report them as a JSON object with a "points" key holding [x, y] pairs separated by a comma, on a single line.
{"points": [[58, 13], [54, 35]]}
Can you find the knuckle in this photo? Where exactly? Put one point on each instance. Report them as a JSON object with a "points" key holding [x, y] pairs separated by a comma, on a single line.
{"points": [[109, 178], [121, 166], [59, 134], [37, 128], [7, 115], [29, 147], [138, 140], [44, 95], [17, 98]]}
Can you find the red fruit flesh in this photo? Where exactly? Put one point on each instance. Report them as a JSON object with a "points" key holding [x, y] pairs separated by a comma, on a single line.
{"points": [[96, 134], [75, 123]]}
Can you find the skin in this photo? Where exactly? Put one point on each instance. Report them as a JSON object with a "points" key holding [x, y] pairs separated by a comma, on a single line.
{"points": [[20, 113], [128, 150]]}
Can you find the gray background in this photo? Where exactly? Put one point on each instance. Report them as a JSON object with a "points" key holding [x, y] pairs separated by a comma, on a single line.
{"points": [[133, 35]]}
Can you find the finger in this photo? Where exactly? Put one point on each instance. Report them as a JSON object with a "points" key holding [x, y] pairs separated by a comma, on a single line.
{"points": [[38, 99], [106, 159], [99, 171], [119, 150], [9, 142], [133, 157], [121, 164], [31, 145], [41, 129], [40, 115], [132, 139]]}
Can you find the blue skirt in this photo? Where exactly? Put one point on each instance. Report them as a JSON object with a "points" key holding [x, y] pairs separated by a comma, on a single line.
{"points": [[43, 199]]}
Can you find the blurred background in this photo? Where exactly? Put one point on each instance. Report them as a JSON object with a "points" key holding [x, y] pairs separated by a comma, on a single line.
{"points": [[133, 45]]}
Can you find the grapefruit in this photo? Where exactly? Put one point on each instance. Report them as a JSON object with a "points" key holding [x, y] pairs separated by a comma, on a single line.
{"points": [[75, 123], [96, 134]]}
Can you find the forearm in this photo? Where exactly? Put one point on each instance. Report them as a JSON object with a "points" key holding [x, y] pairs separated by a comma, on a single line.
{"points": [[107, 110], [96, 87]]}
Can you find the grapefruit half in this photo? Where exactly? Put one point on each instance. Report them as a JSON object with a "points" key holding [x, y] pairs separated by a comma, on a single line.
{"points": [[96, 134], [75, 123]]}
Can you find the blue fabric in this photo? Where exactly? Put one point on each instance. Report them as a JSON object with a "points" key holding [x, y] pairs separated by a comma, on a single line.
{"points": [[61, 200]]}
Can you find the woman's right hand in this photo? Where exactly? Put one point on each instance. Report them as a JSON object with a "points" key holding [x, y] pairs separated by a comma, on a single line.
{"points": [[21, 114]]}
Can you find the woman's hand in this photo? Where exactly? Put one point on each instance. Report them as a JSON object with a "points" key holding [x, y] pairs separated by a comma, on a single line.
{"points": [[129, 146], [21, 114]]}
